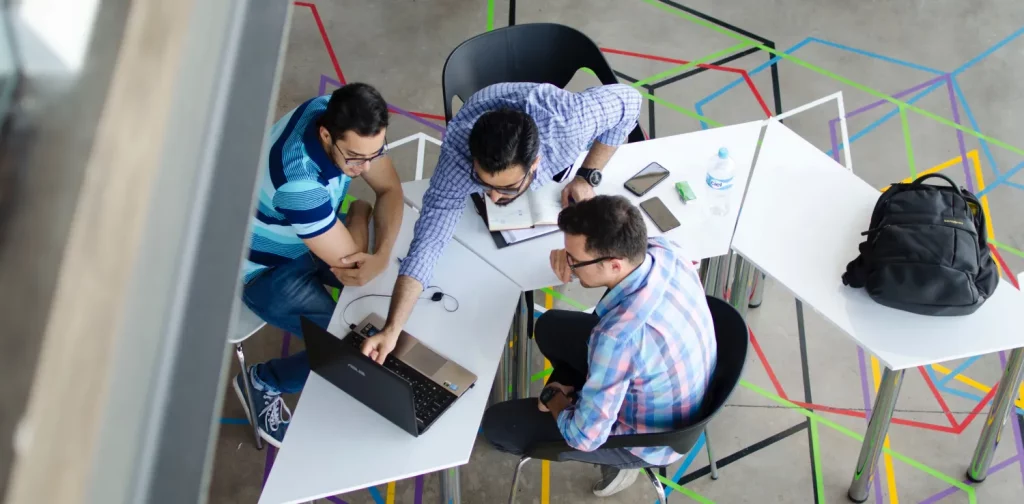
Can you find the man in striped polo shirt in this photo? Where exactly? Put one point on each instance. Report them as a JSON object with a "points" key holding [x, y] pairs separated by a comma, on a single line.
{"points": [[301, 241]]}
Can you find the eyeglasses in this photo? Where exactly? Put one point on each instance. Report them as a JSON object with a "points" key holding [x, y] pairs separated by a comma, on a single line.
{"points": [[354, 162], [507, 190], [574, 264]]}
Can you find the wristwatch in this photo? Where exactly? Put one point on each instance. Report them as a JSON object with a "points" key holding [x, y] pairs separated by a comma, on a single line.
{"points": [[548, 394], [592, 176]]}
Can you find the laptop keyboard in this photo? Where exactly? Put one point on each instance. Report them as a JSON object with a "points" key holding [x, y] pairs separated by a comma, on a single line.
{"points": [[431, 399]]}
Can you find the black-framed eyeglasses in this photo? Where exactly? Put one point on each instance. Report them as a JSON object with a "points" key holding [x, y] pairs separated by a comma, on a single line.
{"points": [[574, 264], [512, 190], [354, 162]]}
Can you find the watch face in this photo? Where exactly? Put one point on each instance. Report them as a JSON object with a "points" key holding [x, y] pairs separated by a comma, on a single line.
{"points": [[547, 394], [595, 177]]}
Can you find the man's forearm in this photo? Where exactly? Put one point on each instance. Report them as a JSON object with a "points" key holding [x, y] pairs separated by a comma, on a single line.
{"points": [[387, 220], [598, 156], [403, 300]]}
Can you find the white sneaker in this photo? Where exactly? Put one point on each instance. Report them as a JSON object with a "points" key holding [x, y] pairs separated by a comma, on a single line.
{"points": [[614, 480]]}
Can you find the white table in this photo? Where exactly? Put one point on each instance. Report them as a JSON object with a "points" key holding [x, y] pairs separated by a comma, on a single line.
{"points": [[686, 156], [335, 444], [701, 235], [801, 224]]}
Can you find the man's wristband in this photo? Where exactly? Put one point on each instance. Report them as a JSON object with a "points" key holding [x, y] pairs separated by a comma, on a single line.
{"points": [[591, 175]]}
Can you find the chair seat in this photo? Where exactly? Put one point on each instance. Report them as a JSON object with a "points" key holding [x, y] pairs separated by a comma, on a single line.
{"points": [[246, 324]]}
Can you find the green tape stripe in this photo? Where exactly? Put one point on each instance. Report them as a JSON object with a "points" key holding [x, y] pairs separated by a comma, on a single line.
{"points": [[565, 299], [490, 15], [681, 110], [907, 144], [685, 491], [346, 202], [540, 375], [849, 433], [844, 80], [685, 66], [819, 479], [1007, 248]]}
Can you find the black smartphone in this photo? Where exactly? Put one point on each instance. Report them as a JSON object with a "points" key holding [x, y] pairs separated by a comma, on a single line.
{"points": [[660, 214], [646, 179]]}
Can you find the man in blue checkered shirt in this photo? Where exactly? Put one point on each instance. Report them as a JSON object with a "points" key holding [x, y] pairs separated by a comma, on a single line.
{"points": [[508, 138]]}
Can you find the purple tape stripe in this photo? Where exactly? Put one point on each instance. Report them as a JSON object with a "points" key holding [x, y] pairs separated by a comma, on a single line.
{"points": [[959, 134], [418, 499], [952, 490], [336, 500]]}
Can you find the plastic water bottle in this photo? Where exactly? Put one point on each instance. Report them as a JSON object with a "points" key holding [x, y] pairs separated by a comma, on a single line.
{"points": [[719, 179]]}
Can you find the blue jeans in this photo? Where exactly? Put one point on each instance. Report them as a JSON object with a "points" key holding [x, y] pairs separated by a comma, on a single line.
{"points": [[279, 295]]}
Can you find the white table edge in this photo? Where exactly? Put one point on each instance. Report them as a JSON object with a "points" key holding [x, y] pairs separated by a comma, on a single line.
{"points": [[885, 362], [372, 484]]}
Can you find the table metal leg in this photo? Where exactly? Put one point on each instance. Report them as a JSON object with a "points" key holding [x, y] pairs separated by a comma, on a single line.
{"points": [[757, 295], [502, 383], [992, 429], [874, 438], [739, 293], [714, 272], [450, 492], [523, 347]]}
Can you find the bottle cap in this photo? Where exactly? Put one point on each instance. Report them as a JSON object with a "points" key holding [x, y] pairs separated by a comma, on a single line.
{"points": [[723, 153]]}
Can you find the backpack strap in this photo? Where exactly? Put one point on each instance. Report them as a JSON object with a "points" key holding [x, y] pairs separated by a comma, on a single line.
{"points": [[857, 269], [922, 178]]}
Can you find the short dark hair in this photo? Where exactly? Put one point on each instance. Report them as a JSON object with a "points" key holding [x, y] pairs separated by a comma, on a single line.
{"points": [[355, 107], [503, 138], [612, 225]]}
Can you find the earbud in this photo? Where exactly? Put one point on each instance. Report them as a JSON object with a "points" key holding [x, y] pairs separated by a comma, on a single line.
{"points": [[437, 296]]}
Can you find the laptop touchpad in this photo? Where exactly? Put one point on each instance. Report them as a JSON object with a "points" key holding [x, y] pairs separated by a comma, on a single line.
{"points": [[424, 359]]}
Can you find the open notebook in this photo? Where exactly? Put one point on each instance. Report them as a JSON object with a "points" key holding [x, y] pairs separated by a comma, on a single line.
{"points": [[533, 214]]}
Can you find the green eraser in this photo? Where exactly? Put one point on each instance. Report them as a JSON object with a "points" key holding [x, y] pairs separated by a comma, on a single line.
{"points": [[685, 192]]}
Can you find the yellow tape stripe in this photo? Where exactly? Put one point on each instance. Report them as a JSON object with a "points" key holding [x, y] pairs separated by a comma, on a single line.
{"points": [[970, 382], [391, 493]]}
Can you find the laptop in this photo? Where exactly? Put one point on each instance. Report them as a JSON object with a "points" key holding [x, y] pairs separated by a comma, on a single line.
{"points": [[413, 387]]}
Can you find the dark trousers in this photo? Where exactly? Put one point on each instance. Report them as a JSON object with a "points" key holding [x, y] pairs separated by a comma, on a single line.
{"points": [[280, 295], [516, 426]]}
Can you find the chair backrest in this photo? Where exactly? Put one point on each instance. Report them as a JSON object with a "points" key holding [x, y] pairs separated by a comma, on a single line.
{"points": [[733, 339], [536, 52]]}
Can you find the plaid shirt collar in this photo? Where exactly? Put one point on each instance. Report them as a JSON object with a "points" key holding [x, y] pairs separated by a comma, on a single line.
{"points": [[626, 287]]}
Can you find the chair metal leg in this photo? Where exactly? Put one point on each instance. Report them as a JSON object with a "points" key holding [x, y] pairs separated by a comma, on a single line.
{"points": [[250, 405], [711, 455], [515, 479], [658, 487]]}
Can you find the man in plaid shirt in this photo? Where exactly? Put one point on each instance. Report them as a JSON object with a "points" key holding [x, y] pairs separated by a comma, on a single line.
{"points": [[639, 364], [507, 139]]}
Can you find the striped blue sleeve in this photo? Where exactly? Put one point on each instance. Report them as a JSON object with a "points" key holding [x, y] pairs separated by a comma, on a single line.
{"points": [[443, 205], [306, 205], [616, 108], [586, 425]]}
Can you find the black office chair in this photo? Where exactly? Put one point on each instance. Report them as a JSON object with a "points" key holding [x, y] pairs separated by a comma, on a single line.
{"points": [[733, 338], [537, 52]]}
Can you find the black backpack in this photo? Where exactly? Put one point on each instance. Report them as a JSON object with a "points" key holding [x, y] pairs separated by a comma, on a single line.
{"points": [[926, 251]]}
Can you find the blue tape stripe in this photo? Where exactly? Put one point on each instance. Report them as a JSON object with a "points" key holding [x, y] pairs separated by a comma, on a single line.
{"points": [[686, 463], [877, 56], [753, 72], [988, 51], [871, 127], [956, 371], [974, 125], [968, 395], [376, 495], [1014, 185], [1002, 179]]}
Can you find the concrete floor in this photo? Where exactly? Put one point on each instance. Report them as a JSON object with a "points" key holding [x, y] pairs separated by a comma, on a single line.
{"points": [[768, 453]]}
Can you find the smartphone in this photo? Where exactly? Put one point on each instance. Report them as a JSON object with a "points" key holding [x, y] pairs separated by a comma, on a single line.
{"points": [[660, 214], [646, 179]]}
